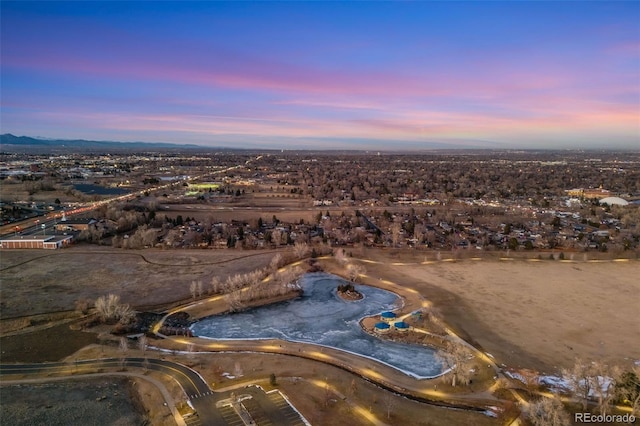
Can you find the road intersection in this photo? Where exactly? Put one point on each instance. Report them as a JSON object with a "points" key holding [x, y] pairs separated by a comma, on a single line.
{"points": [[266, 406]]}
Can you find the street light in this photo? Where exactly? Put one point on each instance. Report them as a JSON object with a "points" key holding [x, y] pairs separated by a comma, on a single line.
{"points": [[43, 226]]}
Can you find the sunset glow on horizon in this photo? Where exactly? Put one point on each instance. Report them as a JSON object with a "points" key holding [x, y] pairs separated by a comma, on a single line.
{"points": [[357, 75]]}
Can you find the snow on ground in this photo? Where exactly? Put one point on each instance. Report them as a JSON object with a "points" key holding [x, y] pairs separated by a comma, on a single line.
{"points": [[555, 383], [558, 384]]}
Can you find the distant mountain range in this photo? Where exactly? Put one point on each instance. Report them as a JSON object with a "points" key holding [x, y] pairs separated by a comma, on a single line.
{"points": [[9, 142]]}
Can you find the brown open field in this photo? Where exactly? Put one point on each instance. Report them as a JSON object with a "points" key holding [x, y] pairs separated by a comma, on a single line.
{"points": [[304, 383], [97, 401], [527, 314], [530, 314], [36, 281]]}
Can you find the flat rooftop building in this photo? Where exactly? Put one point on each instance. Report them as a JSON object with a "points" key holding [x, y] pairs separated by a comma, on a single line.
{"points": [[50, 242]]}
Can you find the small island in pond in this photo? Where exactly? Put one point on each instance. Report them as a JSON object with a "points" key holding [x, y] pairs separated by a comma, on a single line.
{"points": [[348, 292]]}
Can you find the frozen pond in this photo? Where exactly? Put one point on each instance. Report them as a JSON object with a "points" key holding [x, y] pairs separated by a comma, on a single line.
{"points": [[321, 317]]}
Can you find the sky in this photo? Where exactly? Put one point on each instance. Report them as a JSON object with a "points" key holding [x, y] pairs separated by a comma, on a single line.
{"points": [[325, 75]]}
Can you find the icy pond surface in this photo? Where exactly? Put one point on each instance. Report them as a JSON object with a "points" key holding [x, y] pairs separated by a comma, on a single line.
{"points": [[321, 317]]}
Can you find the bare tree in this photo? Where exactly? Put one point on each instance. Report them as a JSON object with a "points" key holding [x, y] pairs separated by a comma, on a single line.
{"points": [[276, 237], [341, 256], [389, 404], [396, 230], [300, 250], [603, 380], [249, 287], [172, 238], [457, 358], [193, 289], [289, 275], [145, 365], [125, 314], [149, 237], [354, 271], [124, 345], [628, 389], [216, 285], [418, 233], [142, 343], [547, 412], [235, 301], [237, 369], [275, 262], [82, 305], [578, 380], [110, 309], [231, 283], [106, 306], [124, 348]]}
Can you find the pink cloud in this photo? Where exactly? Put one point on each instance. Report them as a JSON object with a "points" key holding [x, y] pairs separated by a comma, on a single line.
{"points": [[258, 74], [488, 99], [408, 126]]}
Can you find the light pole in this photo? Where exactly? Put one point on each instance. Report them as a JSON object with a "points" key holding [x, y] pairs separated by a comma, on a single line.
{"points": [[44, 227]]}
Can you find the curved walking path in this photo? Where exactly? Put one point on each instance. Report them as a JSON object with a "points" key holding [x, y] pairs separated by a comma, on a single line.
{"points": [[389, 378], [200, 396], [161, 387], [141, 256], [382, 375], [189, 380]]}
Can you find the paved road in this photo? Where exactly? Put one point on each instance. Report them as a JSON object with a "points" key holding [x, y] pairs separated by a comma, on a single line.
{"points": [[265, 407], [159, 385], [378, 373], [50, 219]]}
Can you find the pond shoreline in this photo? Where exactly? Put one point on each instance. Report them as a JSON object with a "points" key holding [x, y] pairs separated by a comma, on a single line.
{"points": [[324, 318]]}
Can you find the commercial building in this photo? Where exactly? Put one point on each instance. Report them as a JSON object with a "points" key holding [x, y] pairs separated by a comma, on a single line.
{"points": [[589, 193], [50, 242]]}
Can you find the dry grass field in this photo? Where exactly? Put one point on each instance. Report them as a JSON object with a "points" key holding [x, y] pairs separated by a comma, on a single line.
{"points": [[324, 394], [99, 401], [531, 314], [36, 281], [527, 314]]}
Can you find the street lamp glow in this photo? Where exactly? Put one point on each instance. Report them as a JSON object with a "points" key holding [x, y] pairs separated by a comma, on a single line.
{"points": [[371, 373], [320, 355], [269, 347], [432, 392], [217, 345]]}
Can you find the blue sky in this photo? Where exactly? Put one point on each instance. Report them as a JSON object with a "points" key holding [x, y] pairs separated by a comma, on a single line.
{"points": [[325, 74]]}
